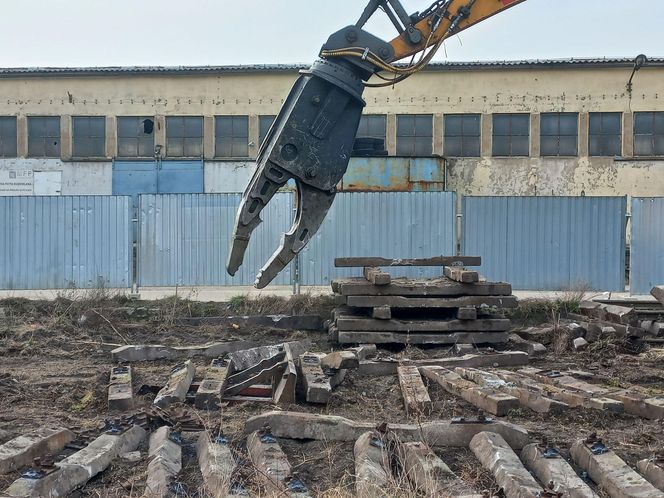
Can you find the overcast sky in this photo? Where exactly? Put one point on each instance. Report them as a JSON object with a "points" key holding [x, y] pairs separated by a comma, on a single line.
{"points": [[217, 32]]}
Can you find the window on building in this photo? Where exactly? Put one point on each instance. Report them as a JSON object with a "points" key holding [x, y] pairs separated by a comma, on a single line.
{"points": [[605, 134], [649, 134], [511, 135], [462, 135], [7, 136], [415, 135], [184, 136], [264, 124], [44, 136], [372, 126], [231, 136], [135, 136], [559, 134], [88, 136]]}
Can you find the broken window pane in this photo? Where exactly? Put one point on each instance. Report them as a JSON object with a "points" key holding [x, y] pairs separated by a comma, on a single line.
{"points": [[133, 141]]}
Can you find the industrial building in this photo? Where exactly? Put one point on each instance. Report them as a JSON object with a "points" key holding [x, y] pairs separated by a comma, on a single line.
{"points": [[556, 127]]}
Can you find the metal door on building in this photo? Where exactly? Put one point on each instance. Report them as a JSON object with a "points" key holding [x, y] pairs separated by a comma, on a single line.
{"points": [[157, 177]]}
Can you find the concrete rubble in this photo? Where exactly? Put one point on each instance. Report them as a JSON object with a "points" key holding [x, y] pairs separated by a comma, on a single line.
{"points": [[20, 451], [415, 395], [554, 471], [217, 464], [178, 384], [372, 465], [510, 474], [610, 472], [77, 469], [455, 433], [165, 462], [653, 470], [208, 395], [152, 352], [488, 399], [120, 391]]}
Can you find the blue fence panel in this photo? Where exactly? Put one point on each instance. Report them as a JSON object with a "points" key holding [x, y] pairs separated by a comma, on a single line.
{"points": [[392, 225], [184, 239], [647, 244], [65, 242], [548, 243]]}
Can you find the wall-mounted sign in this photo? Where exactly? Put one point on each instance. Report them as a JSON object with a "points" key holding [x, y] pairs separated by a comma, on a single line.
{"points": [[16, 182]]}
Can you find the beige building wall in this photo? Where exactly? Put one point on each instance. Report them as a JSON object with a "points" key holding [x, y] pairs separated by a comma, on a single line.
{"points": [[437, 92]]}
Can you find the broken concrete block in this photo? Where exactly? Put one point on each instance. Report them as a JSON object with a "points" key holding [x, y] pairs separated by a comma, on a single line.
{"points": [[415, 395], [530, 347], [372, 466], [20, 451], [610, 472], [456, 433], [209, 392], [641, 404], [657, 329], [364, 351], [131, 456], [120, 392], [481, 359], [377, 276], [285, 390], [467, 313], [580, 343], [381, 313], [314, 383], [151, 352], [549, 467], [653, 470], [461, 275], [178, 384], [165, 463], [427, 473], [658, 293], [488, 399], [530, 398], [271, 462], [510, 474], [338, 360], [463, 349], [217, 464], [79, 468]]}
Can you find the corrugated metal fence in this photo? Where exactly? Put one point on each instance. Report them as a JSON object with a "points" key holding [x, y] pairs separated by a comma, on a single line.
{"points": [[548, 243], [62, 242], [184, 239], [387, 224], [647, 244]]}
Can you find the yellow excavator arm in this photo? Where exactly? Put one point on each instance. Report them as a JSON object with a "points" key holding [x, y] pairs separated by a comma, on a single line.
{"points": [[312, 138]]}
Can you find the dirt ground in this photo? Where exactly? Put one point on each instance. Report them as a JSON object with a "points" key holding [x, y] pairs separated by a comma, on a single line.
{"points": [[54, 371]]}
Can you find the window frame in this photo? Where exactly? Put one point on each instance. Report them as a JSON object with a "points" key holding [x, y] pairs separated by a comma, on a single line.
{"points": [[138, 138], [5, 137], [653, 135], [602, 133], [187, 137], [45, 137], [90, 138], [241, 141], [510, 135], [415, 138], [463, 137], [559, 135]]}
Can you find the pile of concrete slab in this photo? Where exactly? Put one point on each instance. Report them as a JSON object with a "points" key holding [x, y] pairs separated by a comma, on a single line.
{"points": [[455, 308]]}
